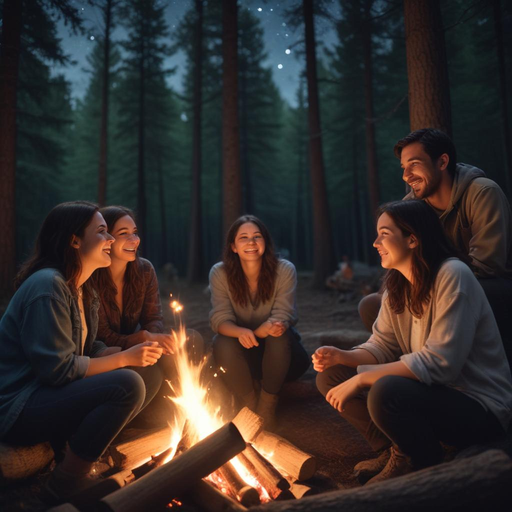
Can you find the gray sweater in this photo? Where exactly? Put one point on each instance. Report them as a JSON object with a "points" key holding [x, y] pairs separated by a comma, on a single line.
{"points": [[456, 342], [280, 307]]}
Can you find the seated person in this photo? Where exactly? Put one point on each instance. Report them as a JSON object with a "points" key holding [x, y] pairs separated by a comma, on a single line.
{"points": [[254, 313], [57, 382], [473, 211], [434, 369]]}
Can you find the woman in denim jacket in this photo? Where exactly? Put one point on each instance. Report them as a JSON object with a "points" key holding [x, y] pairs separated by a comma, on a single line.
{"points": [[57, 380]]}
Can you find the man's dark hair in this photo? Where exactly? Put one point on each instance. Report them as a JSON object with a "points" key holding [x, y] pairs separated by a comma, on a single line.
{"points": [[434, 142]]}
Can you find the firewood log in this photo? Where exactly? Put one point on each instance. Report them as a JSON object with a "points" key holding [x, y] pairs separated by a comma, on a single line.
{"points": [[293, 461], [18, 462], [159, 486], [481, 482], [301, 490], [247, 495], [269, 477], [65, 507], [210, 499], [138, 446], [248, 423]]}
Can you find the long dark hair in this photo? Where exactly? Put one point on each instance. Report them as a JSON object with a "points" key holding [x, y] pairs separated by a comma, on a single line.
{"points": [[416, 218], [53, 248], [237, 281], [133, 277]]}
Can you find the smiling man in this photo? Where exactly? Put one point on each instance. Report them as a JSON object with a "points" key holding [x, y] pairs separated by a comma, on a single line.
{"points": [[473, 210]]}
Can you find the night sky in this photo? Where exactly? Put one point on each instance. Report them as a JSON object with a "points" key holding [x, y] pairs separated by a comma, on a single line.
{"points": [[280, 40]]}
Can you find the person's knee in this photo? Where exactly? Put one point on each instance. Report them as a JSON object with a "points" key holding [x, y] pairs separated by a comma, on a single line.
{"points": [[280, 345], [131, 386], [385, 393], [225, 348], [331, 377], [368, 308]]}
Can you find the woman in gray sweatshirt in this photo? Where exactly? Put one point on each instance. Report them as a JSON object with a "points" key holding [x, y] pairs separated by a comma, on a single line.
{"points": [[254, 314], [434, 370]]}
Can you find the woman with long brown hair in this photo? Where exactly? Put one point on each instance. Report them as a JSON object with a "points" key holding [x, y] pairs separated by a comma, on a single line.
{"points": [[57, 381], [434, 369], [130, 311], [254, 314]]}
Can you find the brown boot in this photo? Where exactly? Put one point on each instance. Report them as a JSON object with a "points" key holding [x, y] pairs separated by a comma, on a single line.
{"points": [[398, 464], [365, 469], [267, 409]]}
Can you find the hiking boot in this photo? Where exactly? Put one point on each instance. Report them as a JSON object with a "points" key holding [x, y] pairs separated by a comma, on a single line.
{"points": [[365, 469], [398, 464], [267, 404], [61, 487]]}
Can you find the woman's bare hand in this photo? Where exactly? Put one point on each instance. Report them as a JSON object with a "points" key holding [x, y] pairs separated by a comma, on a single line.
{"points": [[325, 357], [343, 393], [276, 329], [247, 338], [143, 354], [166, 341]]}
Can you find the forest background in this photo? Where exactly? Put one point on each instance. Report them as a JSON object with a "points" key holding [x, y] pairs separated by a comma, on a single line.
{"points": [[189, 161]]}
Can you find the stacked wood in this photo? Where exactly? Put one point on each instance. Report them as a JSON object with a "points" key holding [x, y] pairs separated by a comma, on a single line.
{"points": [[266, 473], [481, 482], [160, 485], [18, 462], [138, 446], [248, 423], [296, 463], [247, 495], [210, 499]]}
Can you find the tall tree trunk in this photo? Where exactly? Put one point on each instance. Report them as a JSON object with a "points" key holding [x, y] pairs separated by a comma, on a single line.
{"points": [[195, 246], [102, 167], [163, 216], [427, 70], [248, 205], [371, 150], [323, 254], [141, 178], [232, 189], [507, 141], [9, 66]]}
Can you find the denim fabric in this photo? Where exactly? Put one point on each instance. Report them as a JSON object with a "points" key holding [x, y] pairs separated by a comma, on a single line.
{"points": [[40, 341], [274, 361]]}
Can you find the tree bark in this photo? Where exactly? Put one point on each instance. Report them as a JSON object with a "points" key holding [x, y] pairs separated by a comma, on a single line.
{"points": [[507, 140], [323, 253], [102, 167], [427, 70], [371, 150], [9, 68], [195, 249], [141, 140], [232, 189]]}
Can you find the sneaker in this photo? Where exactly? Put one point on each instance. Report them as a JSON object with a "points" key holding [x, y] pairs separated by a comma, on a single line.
{"points": [[365, 469], [398, 464]]}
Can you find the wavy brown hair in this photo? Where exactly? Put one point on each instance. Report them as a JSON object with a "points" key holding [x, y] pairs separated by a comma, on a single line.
{"points": [[237, 280], [416, 218], [133, 277]]}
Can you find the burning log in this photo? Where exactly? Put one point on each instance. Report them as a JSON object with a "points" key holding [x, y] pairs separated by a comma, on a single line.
{"points": [[481, 482], [296, 463], [267, 474], [248, 423], [247, 495], [138, 446], [210, 499], [160, 485], [18, 462]]}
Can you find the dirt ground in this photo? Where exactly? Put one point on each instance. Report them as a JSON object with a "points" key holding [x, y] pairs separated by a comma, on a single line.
{"points": [[304, 417]]}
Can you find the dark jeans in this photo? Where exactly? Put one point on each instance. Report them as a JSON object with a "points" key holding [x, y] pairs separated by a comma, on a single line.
{"points": [[88, 413], [274, 361], [413, 416]]}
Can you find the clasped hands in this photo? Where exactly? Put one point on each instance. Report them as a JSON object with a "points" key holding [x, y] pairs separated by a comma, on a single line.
{"points": [[338, 396], [248, 338]]}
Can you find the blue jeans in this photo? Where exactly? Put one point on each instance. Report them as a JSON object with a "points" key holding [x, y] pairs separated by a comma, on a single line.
{"points": [[274, 361], [87, 413]]}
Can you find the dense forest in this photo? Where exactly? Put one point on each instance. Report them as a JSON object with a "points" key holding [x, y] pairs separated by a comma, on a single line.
{"points": [[189, 162]]}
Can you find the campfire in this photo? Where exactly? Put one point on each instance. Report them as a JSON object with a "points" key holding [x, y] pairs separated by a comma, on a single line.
{"points": [[201, 457]]}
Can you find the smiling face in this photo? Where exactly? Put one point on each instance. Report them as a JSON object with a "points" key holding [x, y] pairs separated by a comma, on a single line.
{"points": [[420, 172], [127, 240], [94, 246], [249, 243], [395, 249]]}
